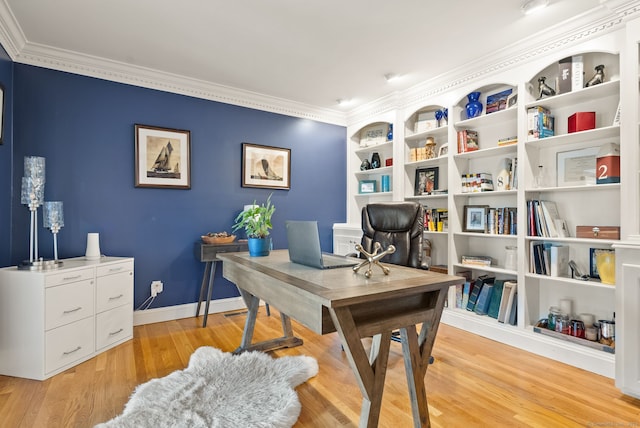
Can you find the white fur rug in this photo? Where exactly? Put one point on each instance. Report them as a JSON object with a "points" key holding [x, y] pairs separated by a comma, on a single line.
{"points": [[219, 389]]}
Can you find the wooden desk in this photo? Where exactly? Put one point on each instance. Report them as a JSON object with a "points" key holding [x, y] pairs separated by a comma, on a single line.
{"points": [[208, 254], [341, 300]]}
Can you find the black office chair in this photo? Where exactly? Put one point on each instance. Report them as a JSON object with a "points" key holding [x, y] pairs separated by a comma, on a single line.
{"points": [[400, 224]]}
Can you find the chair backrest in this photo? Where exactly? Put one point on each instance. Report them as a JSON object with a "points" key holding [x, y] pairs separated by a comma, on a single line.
{"points": [[397, 223]]}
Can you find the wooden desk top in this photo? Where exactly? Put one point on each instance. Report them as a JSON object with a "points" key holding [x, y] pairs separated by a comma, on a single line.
{"points": [[305, 293]]}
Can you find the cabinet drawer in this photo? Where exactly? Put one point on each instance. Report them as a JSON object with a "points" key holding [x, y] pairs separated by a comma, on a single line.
{"points": [[113, 326], [115, 268], [69, 343], [114, 290], [68, 303], [67, 277]]}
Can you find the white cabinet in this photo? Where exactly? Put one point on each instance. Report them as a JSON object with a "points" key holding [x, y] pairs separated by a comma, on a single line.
{"points": [[345, 238], [52, 320]]}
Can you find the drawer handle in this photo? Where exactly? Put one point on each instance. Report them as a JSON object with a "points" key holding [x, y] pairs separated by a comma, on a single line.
{"points": [[70, 311], [116, 332], [69, 278], [117, 297], [116, 269], [71, 352]]}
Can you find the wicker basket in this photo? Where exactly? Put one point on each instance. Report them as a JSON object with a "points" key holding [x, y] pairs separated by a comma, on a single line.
{"points": [[218, 239]]}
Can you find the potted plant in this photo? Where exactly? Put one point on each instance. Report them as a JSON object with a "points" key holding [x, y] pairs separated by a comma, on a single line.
{"points": [[256, 222]]}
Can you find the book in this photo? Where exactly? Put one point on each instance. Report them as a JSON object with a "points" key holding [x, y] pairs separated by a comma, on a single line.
{"points": [[459, 290], [476, 260], [564, 76], [507, 289], [511, 302], [496, 298], [466, 288], [550, 212], [577, 72], [513, 313], [559, 260], [484, 299], [540, 123], [467, 141]]}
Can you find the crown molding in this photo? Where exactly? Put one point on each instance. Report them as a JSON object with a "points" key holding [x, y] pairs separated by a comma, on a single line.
{"points": [[610, 16]]}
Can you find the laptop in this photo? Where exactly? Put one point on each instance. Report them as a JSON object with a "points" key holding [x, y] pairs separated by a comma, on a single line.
{"points": [[304, 247]]}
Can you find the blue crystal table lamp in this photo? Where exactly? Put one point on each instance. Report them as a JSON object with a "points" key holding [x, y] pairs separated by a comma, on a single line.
{"points": [[53, 219]]}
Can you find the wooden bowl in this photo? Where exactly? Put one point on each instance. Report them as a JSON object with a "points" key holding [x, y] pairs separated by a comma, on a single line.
{"points": [[218, 239]]}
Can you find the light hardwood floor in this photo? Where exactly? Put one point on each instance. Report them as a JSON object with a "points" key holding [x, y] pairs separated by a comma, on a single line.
{"points": [[474, 382]]}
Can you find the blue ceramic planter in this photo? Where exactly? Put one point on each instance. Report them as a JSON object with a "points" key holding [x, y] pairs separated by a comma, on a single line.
{"points": [[259, 247], [474, 107]]}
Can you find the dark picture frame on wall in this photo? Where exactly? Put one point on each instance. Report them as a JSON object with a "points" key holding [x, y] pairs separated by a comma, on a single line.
{"points": [[426, 181], [163, 157], [1, 114], [266, 167]]}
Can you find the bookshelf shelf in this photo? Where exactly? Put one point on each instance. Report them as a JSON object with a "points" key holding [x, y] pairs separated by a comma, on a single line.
{"points": [[489, 152], [436, 132], [571, 281]]}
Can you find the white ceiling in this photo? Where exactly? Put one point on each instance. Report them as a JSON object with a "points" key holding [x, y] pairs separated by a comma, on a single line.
{"points": [[307, 52]]}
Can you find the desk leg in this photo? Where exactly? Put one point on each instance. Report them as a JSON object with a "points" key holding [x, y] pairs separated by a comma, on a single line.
{"points": [[212, 273], [203, 286], [370, 372], [288, 340]]}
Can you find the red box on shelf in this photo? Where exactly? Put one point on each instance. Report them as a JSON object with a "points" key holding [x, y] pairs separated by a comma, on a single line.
{"points": [[582, 121], [388, 162]]}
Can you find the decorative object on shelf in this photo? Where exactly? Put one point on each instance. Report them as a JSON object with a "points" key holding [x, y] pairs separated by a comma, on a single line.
{"points": [[511, 257], [598, 232], [374, 134], [474, 106], [53, 219], [445, 115], [386, 186], [597, 78], [607, 332], [430, 146], [163, 157], [375, 160], [390, 132], [576, 273], [475, 218], [540, 179], [426, 181], [544, 90], [503, 177], [365, 165], [32, 195], [498, 101], [266, 167], [373, 259], [438, 116], [388, 162], [564, 81], [512, 100], [608, 164], [443, 150], [256, 222], [478, 182], [367, 186], [581, 121], [604, 256], [467, 141]]}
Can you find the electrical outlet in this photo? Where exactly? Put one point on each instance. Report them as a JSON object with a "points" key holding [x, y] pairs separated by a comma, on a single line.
{"points": [[156, 288]]}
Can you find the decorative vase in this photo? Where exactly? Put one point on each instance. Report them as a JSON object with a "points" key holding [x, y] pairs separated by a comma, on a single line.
{"points": [[259, 247], [438, 115], [390, 133], [375, 160], [365, 165], [474, 107], [445, 115]]}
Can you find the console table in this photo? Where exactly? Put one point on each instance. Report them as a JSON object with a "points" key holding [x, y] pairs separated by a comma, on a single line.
{"points": [[208, 254]]}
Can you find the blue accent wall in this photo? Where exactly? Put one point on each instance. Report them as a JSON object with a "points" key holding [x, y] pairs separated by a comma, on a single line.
{"points": [[84, 127], [6, 157]]}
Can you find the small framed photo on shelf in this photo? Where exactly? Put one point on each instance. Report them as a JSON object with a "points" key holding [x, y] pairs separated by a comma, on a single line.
{"points": [[475, 218], [443, 150], [593, 267], [426, 181], [577, 167], [367, 186], [512, 100]]}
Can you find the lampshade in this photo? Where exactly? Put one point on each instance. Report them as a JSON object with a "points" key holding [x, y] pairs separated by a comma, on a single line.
{"points": [[34, 167], [32, 191], [52, 215]]}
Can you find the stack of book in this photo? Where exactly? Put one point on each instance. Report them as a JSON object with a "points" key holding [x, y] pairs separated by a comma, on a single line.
{"points": [[548, 259], [485, 295], [476, 261], [540, 123], [544, 220], [480, 182], [502, 221], [467, 141], [436, 219]]}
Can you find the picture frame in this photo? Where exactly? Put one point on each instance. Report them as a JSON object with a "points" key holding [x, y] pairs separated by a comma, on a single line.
{"points": [[576, 167], [497, 101], [426, 181], [1, 114], [475, 218], [512, 100], [367, 186], [162, 157], [443, 150], [266, 167], [593, 267]]}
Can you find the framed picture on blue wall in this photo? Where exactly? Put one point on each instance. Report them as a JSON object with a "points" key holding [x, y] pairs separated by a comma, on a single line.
{"points": [[266, 167], [163, 157]]}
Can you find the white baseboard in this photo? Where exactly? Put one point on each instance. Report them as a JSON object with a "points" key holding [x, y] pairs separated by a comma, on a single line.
{"points": [[169, 313]]}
